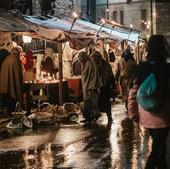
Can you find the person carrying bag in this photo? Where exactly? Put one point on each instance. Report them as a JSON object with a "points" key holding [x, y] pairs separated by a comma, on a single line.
{"points": [[152, 79]]}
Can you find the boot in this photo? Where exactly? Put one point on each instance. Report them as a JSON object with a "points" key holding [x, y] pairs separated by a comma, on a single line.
{"points": [[109, 117]]}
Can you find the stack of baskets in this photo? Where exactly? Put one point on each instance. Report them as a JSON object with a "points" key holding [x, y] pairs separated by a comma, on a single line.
{"points": [[49, 114]]}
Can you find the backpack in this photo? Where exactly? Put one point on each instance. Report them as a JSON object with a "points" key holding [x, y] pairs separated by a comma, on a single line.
{"points": [[148, 95]]}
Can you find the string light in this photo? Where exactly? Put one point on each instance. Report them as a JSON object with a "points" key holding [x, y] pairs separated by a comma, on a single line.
{"points": [[74, 14], [131, 26], [103, 21]]}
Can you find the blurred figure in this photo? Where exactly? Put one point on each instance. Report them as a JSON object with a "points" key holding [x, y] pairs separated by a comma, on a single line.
{"points": [[111, 52], [107, 90], [125, 69], [22, 57], [11, 78], [76, 63], [158, 121], [34, 65], [100, 47], [91, 84], [28, 74], [47, 63]]}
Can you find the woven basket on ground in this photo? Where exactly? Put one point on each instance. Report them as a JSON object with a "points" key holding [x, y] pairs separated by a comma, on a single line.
{"points": [[49, 114]]}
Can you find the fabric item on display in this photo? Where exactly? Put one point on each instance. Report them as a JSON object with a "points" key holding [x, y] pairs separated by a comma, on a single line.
{"points": [[29, 60]]}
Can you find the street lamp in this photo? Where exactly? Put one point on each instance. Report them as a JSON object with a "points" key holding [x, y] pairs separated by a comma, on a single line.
{"points": [[75, 16], [131, 27]]}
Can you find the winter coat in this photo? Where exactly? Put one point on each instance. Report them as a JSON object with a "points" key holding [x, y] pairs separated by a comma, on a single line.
{"points": [[107, 91], [11, 76], [151, 120], [90, 77], [48, 66], [124, 75]]}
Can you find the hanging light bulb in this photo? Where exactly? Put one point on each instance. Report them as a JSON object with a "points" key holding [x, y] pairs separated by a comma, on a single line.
{"points": [[75, 15]]}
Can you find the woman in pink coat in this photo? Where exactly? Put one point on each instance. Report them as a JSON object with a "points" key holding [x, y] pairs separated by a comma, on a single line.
{"points": [[158, 123]]}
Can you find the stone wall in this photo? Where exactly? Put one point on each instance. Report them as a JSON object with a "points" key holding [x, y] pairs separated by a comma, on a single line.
{"points": [[163, 19], [131, 13], [57, 8]]}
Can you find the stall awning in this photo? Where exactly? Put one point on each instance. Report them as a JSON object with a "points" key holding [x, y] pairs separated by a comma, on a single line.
{"points": [[82, 26], [10, 23], [52, 28]]}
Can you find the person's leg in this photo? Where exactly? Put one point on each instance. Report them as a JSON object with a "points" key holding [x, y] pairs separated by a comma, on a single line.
{"points": [[109, 117], [96, 114], [87, 115], [109, 112], [157, 157], [10, 104]]}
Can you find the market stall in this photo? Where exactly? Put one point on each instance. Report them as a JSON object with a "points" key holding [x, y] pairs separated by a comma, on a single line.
{"points": [[77, 32], [20, 26]]}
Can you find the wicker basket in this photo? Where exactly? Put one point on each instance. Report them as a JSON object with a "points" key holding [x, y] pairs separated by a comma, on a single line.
{"points": [[45, 114], [49, 114], [72, 110], [19, 113]]}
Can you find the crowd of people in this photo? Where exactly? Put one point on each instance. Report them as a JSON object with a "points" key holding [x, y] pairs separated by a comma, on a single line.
{"points": [[99, 84]]}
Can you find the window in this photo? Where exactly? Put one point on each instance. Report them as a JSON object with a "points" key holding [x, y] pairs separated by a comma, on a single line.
{"points": [[143, 14], [115, 16], [121, 17], [129, 1], [143, 17]]}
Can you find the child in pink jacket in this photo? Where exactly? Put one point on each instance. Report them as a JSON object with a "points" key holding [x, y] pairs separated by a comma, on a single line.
{"points": [[158, 123]]}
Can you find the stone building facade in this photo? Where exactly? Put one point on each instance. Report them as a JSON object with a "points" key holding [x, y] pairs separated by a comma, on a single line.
{"points": [[163, 19], [57, 8], [137, 13], [44, 7]]}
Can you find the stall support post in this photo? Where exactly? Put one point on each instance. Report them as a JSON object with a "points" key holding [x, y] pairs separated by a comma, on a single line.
{"points": [[59, 46]]}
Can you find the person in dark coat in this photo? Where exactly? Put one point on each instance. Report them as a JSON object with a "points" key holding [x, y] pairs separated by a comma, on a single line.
{"points": [[47, 64], [126, 67], [107, 90], [11, 78], [156, 121], [91, 84]]}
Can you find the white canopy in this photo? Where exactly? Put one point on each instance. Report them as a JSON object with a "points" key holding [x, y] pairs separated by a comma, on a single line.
{"points": [[82, 26]]}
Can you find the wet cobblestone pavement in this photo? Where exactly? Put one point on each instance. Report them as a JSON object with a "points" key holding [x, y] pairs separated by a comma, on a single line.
{"points": [[119, 145]]}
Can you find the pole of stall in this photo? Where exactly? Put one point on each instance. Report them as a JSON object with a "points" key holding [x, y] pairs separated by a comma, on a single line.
{"points": [[59, 46]]}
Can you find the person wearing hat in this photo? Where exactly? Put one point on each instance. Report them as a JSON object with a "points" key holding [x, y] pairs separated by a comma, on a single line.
{"points": [[47, 64]]}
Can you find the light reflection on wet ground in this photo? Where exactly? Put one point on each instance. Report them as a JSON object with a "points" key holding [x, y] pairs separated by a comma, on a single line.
{"points": [[119, 145]]}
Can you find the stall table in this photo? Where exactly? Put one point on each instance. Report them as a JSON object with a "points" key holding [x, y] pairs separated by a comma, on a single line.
{"points": [[75, 89], [50, 92]]}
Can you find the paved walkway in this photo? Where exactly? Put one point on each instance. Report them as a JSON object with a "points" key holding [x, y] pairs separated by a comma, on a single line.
{"points": [[119, 145]]}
